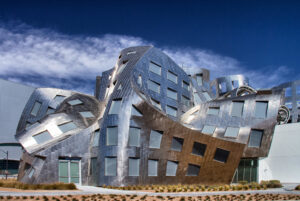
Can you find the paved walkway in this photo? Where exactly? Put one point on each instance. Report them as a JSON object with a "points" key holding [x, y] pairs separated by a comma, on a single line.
{"points": [[88, 190]]}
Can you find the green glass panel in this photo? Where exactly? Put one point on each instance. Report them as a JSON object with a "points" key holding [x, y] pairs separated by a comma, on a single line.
{"points": [[74, 169], [75, 180], [63, 169], [64, 179]]}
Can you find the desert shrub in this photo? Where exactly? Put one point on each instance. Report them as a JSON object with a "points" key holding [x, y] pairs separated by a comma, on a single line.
{"points": [[271, 184], [242, 182], [297, 188]]}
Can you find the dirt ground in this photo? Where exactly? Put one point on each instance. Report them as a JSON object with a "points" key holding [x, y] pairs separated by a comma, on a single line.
{"points": [[98, 197]]}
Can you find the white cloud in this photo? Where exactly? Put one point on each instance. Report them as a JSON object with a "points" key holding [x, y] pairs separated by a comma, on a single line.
{"points": [[47, 58]]}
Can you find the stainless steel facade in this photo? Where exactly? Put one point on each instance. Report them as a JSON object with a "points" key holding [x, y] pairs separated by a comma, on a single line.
{"points": [[149, 123]]}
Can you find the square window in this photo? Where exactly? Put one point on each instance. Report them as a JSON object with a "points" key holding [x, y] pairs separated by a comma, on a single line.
{"points": [[42, 137], [152, 167], [36, 108], [231, 132], [185, 85], [172, 77], [110, 166], [261, 108], [134, 167], [111, 136], [171, 111], [185, 101], [115, 106], [67, 127], [155, 68], [134, 137], [193, 170], [199, 149], [208, 129], [237, 109], [213, 110], [155, 139], [221, 155], [177, 144], [172, 94], [255, 138], [156, 103], [153, 86], [171, 168]]}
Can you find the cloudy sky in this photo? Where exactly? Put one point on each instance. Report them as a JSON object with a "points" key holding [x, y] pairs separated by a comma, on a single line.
{"points": [[66, 44]]}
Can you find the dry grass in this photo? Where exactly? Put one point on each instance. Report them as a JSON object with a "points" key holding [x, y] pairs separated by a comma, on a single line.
{"points": [[12, 183]]}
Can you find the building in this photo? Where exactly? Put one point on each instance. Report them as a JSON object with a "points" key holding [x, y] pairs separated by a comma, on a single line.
{"points": [[149, 122]]}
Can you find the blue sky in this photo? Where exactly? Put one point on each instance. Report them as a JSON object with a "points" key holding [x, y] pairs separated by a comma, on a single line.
{"points": [[65, 44]]}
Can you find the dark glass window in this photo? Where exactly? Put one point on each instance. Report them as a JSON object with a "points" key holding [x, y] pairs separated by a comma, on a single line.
{"points": [[176, 144], [193, 170], [221, 155], [199, 149]]}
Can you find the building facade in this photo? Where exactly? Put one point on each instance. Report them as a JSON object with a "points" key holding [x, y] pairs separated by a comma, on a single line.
{"points": [[149, 122]]}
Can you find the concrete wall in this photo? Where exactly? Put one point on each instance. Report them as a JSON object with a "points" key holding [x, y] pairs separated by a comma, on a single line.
{"points": [[283, 162], [13, 98]]}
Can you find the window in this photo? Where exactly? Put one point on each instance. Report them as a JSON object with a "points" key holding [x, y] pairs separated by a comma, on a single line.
{"points": [[154, 68], [134, 137], [42, 137], [222, 87], [171, 111], [172, 94], [110, 166], [120, 87], [153, 86], [208, 129], [152, 168], [134, 167], [176, 144], [156, 103], [185, 85], [213, 110], [30, 126], [96, 138], [131, 52], [172, 77], [50, 110], [235, 84], [75, 102], [171, 168], [122, 66], [36, 108], [59, 98], [31, 173], [155, 139], [111, 136], [237, 109], [185, 101], [193, 170], [261, 109], [135, 111], [197, 98], [86, 114], [199, 79], [115, 106], [199, 149], [255, 138], [231, 132], [67, 127], [139, 81], [207, 96], [221, 155]]}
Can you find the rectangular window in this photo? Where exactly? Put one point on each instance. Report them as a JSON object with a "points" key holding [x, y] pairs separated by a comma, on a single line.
{"points": [[185, 101], [231, 132], [172, 94], [31, 173], [154, 68], [171, 168], [42, 137], [111, 136], [67, 127], [222, 87], [134, 167], [185, 85], [153, 86], [115, 106], [207, 96], [86, 114], [221, 155], [237, 109], [152, 168], [135, 111], [177, 144], [156, 103], [58, 99], [134, 137], [208, 129], [63, 171], [110, 166], [36, 108], [96, 138], [199, 79], [255, 138], [193, 170], [261, 108], [50, 110], [197, 98], [155, 139], [171, 111], [75, 102], [199, 149], [213, 110], [172, 77], [122, 66]]}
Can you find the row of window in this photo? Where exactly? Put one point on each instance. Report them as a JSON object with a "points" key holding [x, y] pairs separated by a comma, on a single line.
{"points": [[134, 165], [45, 135], [237, 109]]}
